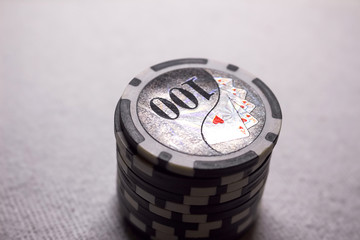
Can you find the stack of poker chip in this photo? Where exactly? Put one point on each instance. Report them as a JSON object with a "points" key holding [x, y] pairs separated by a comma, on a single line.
{"points": [[194, 141]]}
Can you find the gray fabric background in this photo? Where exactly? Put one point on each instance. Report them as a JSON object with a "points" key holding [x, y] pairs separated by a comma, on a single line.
{"points": [[64, 65]]}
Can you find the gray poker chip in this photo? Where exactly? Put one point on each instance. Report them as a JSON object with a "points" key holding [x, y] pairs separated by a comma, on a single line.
{"points": [[199, 117], [194, 140]]}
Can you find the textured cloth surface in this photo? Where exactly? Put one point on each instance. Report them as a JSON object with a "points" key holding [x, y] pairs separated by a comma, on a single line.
{"points": [[64, 65]]}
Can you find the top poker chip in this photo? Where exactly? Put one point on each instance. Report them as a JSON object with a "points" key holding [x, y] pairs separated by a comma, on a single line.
{"points": [[199, 117]]}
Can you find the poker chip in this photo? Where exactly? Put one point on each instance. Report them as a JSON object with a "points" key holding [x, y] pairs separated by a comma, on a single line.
{"points": [[183, 185], [186, 199], [194, 139], [178, 230]]}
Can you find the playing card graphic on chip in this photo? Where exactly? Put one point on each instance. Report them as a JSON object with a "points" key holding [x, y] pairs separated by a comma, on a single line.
{"points": [[223, 123], [236, 92], [248, 119], [242, 104], [224, 82]]}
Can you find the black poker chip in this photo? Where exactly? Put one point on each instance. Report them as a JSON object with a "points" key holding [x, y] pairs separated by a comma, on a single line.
{"points": [[180, 229], [243, 209], [186, 185], [194, 140], [211, 211], [191, 200]]}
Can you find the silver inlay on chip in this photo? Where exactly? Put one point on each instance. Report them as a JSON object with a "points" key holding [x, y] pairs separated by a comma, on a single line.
{"points": [[201, 111]]}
